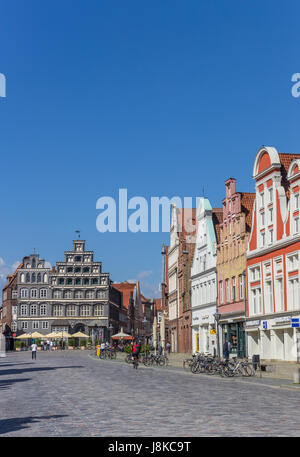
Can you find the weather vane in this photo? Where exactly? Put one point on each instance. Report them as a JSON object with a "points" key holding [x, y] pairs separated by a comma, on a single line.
{"points": [[78, 233]]}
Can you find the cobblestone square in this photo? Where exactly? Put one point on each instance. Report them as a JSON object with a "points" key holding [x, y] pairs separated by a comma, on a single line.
{"points": [[70, 393]]}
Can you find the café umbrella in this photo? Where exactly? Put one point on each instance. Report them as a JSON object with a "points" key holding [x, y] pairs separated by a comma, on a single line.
{"points": [[122, 336], [79, 335]]}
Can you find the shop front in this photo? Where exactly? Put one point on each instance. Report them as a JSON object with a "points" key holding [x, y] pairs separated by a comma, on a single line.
{"points": [[233, 331]]}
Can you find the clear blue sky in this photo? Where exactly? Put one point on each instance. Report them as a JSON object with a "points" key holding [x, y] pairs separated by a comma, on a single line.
{"points": [[160, 97]]}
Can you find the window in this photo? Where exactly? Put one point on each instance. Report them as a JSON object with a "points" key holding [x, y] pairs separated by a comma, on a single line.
{"points": [[70, 270], [77, 281], [57, 294], [263, 238], [268, 297], [95, 281], [256, 301], [78, 258], [293, 262], [262, 199], [22, 277], [296, 224], [43, 293], [85, 310], [297, 201], [35, 325], [45, 277], [271, 215], [39, 277], [241, 281], [262, 218], [69, 281], [33, 310], [86, 281], [78, 294], [45, 325], [103, 280], [101, 294], [99, 310], [86, 270], [24, 293], [271, 194], [90, 294], [72, 310], [77, 270], [43, 310], [233, 289], [27, 277], [279, 294], [271, 236], [33, 277], [293, 293], [58, 310], [61, 281], [227, 291], [34, 293], [24, 325], [68, 294], [23, 310]]}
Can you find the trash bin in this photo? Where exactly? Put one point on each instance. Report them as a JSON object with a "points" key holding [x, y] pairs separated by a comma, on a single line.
{"points": [[98, 350], [255, 361]]}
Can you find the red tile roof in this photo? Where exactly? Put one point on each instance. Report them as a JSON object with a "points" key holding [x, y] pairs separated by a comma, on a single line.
{"points": [[247, 201], [217, 216], [127, 289]]}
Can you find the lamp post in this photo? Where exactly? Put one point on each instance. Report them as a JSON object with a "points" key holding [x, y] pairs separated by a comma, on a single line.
{"points": [[145, 337], [110, 328], [217, 317]]}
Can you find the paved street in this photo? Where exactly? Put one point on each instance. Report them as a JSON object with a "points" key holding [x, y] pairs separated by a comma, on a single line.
{"points": [[72, 394]]}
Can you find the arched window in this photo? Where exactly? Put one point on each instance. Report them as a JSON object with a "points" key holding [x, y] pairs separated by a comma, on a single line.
{"points": [[45, 277], [27, 277], [33, 277], [22, 277], [33, 263], [39, 277], [24, 293]]}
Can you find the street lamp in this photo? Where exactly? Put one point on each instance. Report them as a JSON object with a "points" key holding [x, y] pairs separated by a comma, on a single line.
{"points": [[145, 337], [217, 317], [110, 328]]}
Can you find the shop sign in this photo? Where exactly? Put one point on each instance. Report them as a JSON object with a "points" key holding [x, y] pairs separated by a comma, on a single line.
{"points": [[252, 323], [295, 323], [282, 320], [265, 325], [212, 331]]}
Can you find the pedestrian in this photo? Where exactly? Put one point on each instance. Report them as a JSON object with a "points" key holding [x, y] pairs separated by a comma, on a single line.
{"points": [[51, 345], [33, 351], [226, 350], [48, 345], [136, 349], [168, 346]]}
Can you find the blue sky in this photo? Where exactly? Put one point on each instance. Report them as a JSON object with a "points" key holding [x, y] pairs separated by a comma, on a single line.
{"points": [[160, 97]]}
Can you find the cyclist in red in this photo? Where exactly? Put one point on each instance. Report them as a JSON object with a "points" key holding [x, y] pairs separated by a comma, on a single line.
{"points": [[135, 350]]}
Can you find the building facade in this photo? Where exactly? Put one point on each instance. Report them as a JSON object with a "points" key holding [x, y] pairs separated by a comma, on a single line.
{"points": [[9, 306], [204, 286], [231, 267], [273, 311], [74, 296]]}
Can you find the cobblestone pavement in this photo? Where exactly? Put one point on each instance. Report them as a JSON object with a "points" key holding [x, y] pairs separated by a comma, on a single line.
{"points": [[72, 394]]}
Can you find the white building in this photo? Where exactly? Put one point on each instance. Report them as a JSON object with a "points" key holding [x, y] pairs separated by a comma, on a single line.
{"points": [[204, 278], [273, 315]]}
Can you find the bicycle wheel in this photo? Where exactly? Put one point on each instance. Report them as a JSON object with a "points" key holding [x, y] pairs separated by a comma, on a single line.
{"points": [[194, 368], [127, 358], [248, 367]]}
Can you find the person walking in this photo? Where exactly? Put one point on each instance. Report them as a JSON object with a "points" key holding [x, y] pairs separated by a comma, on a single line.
{"points": [[51, 345], [168, 346], [33, 351], [226, 350]]}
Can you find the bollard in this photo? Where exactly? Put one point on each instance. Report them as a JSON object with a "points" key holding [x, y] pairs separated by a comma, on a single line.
{"points": [[297, 376]]}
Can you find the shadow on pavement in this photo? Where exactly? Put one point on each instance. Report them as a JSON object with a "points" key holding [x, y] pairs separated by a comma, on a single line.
{"points": [[19, 371], [4, 384], [18, 423]]}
